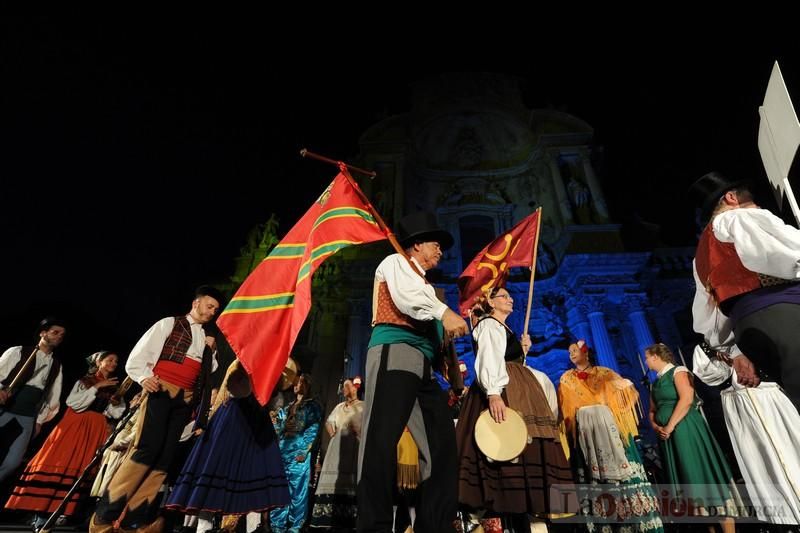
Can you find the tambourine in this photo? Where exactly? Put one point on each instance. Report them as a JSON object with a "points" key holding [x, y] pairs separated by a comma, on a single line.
{"points": [[503, 441]]}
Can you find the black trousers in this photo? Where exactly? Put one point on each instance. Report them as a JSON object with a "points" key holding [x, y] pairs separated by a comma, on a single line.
{"points": [[134, 487], [400, 391], [770, 338]]}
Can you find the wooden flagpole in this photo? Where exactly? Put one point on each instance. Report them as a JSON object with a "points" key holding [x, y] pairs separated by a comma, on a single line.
{"points": [[533, 270], [344, 167], [31, 360], [308, 153]]}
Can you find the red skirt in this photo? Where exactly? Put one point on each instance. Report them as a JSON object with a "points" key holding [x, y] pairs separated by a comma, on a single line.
{"points": [[51, 473]]}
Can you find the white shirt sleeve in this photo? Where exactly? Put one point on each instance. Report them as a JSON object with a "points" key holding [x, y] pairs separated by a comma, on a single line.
{"points": [[548, 388], [490, 364], [52, 403], [145, 354], [115, 412], [81, 397], [410, 293], [764, 243], [333, 418], [214, 362], [188, 431], [7, 361], [709, 321], [709, 371]]}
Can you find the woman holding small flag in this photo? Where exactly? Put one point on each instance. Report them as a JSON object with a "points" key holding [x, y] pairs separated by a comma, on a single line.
{"points": [[520, 486]]}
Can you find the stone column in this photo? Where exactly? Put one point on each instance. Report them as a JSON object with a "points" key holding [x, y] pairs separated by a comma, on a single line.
{"points": [[602, 342], [594, 186], [577, 322], [641, 329], [560, 189]]}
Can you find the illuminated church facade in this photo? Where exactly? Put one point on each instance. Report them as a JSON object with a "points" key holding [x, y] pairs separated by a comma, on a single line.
{"points": [[470, 151]]}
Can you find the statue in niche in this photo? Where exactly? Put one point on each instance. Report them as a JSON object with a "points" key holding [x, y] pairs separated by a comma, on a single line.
{"points": [[580, 198], [496, 195]]}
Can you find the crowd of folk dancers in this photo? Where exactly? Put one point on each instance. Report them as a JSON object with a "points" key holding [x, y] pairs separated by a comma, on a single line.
{"points": [[395, 460]]}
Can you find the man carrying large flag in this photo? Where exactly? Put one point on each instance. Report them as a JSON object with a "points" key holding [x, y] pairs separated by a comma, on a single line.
{"points": [[489, 269], [400, 387], [264, 317]]}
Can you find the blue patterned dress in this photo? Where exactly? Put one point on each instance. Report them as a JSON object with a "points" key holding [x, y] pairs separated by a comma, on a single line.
{"points": [[297, 426]]}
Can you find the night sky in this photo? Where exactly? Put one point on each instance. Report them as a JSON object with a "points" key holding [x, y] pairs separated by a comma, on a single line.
{"points": [[135, 162]]}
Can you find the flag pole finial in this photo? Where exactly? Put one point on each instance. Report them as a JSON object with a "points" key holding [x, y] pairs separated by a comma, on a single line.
{"points": [[308, 153]]}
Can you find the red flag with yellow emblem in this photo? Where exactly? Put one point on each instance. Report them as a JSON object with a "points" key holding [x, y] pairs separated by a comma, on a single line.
{"points": [[490, 267], [264, 317]]}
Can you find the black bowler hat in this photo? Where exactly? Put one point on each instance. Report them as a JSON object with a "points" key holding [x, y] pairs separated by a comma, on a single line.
{"points": [[707, 191], [422, 227], [49, 322], [208, 290]]}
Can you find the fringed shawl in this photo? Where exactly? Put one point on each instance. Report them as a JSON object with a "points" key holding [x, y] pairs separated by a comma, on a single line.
{"points": [[602, 386]]}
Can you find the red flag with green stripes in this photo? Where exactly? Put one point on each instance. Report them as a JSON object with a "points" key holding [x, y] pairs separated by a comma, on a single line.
{"points": [[264, 317]]}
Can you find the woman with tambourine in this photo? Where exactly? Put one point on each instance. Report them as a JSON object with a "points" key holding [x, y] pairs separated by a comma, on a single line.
{"points": [[514, 397]]}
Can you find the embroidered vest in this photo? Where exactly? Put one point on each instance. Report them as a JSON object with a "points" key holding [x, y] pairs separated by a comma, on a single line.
{"points": [[28, 400], [178, 342], [721, 271], [174, 367], [386, 312]]}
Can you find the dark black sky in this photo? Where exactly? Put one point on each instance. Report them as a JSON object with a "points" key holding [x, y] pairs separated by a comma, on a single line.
{"points": [[135, 161]]}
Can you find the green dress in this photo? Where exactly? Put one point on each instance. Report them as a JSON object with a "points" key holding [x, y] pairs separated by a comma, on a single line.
{"points": [[695, 465]]}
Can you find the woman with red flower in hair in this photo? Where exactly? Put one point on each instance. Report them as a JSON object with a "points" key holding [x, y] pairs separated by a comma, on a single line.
{"points": [[600, 411]]}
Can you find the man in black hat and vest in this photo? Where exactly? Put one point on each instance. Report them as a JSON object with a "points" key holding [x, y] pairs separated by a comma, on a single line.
{"points": [[168, 363], [747, 299], [34, 398], [409, 326]]}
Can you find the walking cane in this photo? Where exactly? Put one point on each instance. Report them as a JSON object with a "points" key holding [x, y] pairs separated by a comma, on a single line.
{"points": [[51, 521]]}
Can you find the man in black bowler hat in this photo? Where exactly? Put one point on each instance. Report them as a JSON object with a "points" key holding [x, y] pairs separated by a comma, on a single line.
{"points": [[747, 297], [409, 326], [29, 396]]}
